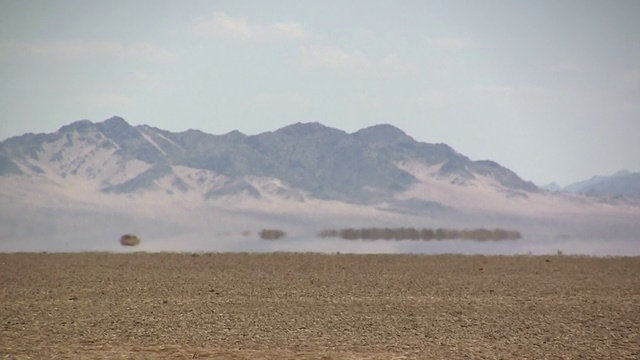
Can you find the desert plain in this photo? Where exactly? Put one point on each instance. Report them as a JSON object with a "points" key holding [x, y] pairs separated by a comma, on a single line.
{"points": [[317, 306]]}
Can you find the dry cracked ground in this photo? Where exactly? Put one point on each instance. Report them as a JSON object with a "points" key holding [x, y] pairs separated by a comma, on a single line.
{"points": [[312, 306]]}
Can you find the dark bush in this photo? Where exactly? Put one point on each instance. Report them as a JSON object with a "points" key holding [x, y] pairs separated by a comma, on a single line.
{"points": [[272, 234], [129, 240]]}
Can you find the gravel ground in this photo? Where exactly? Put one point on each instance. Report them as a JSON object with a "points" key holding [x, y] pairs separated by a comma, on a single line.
{"points": [[312, 306]]}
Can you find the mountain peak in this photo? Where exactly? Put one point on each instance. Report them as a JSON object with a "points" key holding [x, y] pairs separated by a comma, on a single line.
{"points": [[381, 133], [115, 121], [301, 128], [117, 126], [552, 186], [235, 134], [79, 126]]}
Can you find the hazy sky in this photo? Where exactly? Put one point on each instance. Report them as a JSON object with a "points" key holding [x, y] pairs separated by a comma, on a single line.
{"points": [[550, 89]]}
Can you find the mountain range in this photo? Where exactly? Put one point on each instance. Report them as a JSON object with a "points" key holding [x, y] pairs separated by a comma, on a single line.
{"points": [[322, 162], [100, 179], [622, 184]]}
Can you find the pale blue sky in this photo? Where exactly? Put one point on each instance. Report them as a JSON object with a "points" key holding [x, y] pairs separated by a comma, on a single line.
{"points": [[550, 89]]}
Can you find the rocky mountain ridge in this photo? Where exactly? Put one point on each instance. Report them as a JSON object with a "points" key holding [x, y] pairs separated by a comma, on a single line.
{"points": [[299, 160]]}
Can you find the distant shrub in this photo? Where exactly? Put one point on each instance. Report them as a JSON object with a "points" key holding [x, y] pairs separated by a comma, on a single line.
{"points": [[441, 234], [351, 234], [272, 234], [328, 233], [129, 240], [427, 234], [421, 234]]}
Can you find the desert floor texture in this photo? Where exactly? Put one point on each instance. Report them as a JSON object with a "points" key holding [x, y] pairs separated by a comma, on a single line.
{"points": [[312, 306]]}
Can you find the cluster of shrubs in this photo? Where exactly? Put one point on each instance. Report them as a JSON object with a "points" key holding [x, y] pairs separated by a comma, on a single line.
{"points": [[272, 234], [421, 234]]}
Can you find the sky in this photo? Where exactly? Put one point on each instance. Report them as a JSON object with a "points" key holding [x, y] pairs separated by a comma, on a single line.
{"points": [[549, 89]]}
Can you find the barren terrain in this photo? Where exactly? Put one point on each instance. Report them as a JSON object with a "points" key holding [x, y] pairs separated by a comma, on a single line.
{"points": [[311, 306]]}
